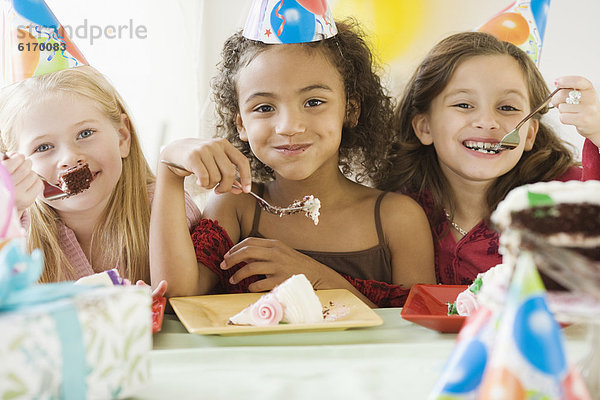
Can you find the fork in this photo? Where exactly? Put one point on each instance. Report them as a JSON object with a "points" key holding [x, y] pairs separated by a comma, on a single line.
{"points": [[51, 191], [512, 138], [262, 202]]}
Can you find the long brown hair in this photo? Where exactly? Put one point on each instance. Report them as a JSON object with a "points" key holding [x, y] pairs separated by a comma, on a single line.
{"points": [[415, 166], [123, 234], [364, 145]]}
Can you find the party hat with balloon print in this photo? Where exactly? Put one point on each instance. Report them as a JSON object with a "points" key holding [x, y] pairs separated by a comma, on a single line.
{"points": [[528, 359], [33, 42], [289, 21], [523, 24], [462, 375]]}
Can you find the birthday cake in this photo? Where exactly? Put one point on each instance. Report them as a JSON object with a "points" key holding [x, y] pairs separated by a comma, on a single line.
{"points": [[294, 301], [489, 288], [565, 214], [76, 179]]}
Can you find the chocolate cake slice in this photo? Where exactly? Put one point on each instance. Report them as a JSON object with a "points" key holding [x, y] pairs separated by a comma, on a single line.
{"points": [[76, 179], [563, 214], [566, 214]]}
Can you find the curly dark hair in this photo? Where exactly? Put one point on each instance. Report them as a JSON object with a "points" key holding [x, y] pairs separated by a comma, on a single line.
{"points": [[415, 166], [364, 145]]}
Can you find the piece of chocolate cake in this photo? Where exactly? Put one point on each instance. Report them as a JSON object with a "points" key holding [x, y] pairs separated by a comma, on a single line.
{"points": [[76, 179], [563, 214]]}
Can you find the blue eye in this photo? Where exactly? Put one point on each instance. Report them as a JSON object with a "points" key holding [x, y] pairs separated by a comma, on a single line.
{"points": [[85, 133], [41, 148], [314, 102]]}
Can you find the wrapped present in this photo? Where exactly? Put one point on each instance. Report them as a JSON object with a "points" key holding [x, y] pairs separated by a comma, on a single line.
{"points": [[62, 340], [112, 277]]}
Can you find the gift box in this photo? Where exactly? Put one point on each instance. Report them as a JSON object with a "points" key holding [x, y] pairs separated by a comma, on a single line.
{"points": [[67, 341]]}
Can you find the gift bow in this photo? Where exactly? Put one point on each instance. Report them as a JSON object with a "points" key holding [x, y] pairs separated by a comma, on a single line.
{"points": [[19, 273]]}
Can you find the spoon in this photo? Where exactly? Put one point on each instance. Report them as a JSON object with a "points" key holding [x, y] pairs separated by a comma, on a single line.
{"points": [[512, 138], [291, 209]]}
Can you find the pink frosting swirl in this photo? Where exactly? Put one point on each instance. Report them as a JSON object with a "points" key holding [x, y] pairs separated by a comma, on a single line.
{"points": [[466, 303], [266, 311]]}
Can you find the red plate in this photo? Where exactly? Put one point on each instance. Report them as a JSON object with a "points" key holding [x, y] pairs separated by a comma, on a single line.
{"points": [[426, 305], [158, 311]]}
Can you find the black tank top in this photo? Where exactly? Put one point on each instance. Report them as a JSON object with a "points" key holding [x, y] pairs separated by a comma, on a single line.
{"points": [[374, 263]]}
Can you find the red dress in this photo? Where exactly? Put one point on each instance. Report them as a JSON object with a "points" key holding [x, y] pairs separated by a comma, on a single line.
{"points": [[458, 263]]}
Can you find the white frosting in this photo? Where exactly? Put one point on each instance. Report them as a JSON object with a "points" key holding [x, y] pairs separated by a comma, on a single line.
{"points": [[312, 205], [297, 298], [300, 303], [561, 192]]}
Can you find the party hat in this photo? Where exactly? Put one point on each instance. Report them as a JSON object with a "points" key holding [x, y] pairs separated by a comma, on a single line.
{"points": [[33, 42], [289, 21], [528, 358], [523, 24], [462, 375]]}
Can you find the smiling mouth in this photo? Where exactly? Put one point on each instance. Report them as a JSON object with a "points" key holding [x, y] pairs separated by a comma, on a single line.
{"points": [[293, 147], [482, 147]]}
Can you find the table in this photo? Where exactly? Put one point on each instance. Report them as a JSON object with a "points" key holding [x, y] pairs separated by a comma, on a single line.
{"points": [[396, 360]]}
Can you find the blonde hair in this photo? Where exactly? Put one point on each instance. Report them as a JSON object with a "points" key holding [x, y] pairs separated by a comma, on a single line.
{"points": [[123, 233]]}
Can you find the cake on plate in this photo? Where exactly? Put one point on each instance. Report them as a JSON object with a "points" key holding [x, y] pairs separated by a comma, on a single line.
{"points": [[489, 288], [564, 216], [76, 179], [294, 301]]}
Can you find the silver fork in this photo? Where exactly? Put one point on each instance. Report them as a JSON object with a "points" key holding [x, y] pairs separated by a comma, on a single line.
{"points": [[262, 202], [51, 191], [512, 138]]}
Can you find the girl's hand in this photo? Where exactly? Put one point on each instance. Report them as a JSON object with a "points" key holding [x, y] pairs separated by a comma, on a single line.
{"points": [[585, 116], [160, 290], [28, 185], [277, 261], [215, 163]]}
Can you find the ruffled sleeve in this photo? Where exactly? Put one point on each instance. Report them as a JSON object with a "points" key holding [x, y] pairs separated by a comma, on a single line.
{"points": [[211, 242], [381, 293]]}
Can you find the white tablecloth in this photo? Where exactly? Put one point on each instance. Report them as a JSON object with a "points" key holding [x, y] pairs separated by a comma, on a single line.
{"points": [[397, 360]]}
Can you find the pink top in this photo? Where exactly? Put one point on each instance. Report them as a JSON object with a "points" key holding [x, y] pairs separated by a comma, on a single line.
{"points": [[70, 246]]}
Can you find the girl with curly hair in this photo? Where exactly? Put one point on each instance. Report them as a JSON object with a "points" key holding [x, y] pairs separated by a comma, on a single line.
{"points": [[310, 118], [468, 92]]}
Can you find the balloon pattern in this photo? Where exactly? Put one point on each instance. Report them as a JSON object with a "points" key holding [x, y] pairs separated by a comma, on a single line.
{"points": [[517, 354], [289, 21], [292, 23], [523, 24], [37, 42], [534, 331]]}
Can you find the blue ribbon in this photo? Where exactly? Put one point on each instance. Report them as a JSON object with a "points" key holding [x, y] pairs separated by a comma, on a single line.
{"points": [[19, 272]]}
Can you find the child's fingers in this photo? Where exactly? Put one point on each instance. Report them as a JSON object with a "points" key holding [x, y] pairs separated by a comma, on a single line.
{"points": [[573, 82], [243, 166], [161, 289], [266, 284], [207, 170], [251, 269], [569, 83], [246, 250]]}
